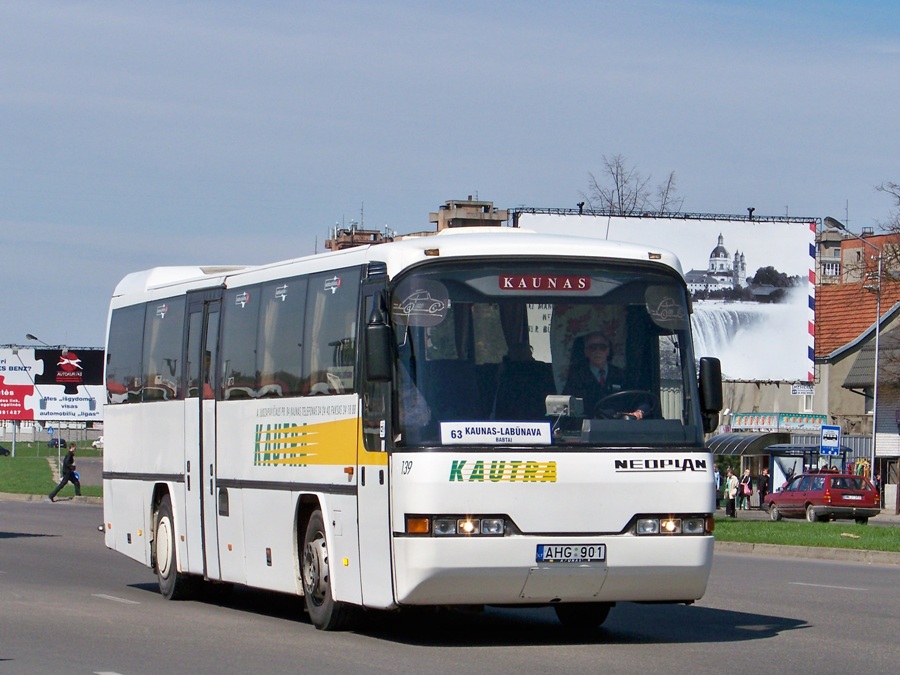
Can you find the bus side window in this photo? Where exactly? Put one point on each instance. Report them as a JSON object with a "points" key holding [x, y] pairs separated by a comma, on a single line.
{"points": [[239, 332], [329, 341], [123, 356], [163, 333], [280, 341]]}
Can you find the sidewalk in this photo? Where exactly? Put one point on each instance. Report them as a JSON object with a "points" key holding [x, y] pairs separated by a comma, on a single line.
{"points": [[883, 518]]}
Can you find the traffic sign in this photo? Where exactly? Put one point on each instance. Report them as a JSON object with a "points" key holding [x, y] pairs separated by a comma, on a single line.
{"points": [[830, 443], [50, 430]]}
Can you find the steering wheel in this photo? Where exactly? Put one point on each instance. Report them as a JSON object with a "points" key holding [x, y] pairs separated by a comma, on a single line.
{"points": [[631, 399]]}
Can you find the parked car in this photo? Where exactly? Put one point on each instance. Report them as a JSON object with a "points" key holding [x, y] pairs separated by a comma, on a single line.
{"points": [[56, 443], [4, 452], [825, 496], [98, 443]]}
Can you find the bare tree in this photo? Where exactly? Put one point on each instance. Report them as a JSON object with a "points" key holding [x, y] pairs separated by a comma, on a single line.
{"points": [[622, 189], [892, 189], [890, 252], [666, 201]]}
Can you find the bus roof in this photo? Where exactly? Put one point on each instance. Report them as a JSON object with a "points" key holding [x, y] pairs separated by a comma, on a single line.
{"points": [[462, 242]]}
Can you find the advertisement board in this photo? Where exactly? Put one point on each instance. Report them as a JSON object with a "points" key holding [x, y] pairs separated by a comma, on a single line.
{"points": [[64, 384], [761, 326]]}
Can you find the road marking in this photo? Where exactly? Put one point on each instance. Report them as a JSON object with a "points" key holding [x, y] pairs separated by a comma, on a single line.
{"points": [[838, 588], [115, 599]]}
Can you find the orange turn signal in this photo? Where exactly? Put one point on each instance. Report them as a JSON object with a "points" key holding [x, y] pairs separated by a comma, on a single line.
{"points": [[418, 525]]}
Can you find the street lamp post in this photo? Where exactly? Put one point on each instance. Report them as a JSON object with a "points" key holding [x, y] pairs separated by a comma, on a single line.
{"points": [[29, 336], [837, 225]]}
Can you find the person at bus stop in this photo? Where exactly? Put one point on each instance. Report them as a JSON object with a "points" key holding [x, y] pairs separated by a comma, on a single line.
{"points": [[762, 487], [730, 491], [592, 376], [68, 475], [746, 489], [718, 478]]}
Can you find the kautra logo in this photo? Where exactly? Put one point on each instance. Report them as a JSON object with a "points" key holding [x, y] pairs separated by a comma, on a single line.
{"points": [[502, 471]]}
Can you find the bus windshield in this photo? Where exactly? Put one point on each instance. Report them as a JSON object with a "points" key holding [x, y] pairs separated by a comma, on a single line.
{"points": [[530, 353]]}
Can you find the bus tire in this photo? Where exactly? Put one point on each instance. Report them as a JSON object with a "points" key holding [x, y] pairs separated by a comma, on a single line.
{"points": [[173, 585], [582, 615], [324, 612]]}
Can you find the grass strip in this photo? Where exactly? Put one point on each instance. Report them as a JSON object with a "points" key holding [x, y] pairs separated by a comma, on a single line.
{"points": [[29, 471], [838, 534]]}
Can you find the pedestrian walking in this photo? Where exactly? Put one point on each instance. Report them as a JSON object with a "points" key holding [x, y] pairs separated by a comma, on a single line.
{"points": [[68, 475]]}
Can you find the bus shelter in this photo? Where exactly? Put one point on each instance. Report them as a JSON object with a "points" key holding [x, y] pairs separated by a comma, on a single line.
{"points": [[785, 460], [775, 452]]}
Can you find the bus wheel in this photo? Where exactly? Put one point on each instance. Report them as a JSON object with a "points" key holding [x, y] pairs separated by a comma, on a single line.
{"points": [[582, 615], [324, 612], [172, 584]]}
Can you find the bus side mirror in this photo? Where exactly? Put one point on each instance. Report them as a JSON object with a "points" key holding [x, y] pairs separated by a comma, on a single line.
{"points": [[378, 348], [710, 392]]}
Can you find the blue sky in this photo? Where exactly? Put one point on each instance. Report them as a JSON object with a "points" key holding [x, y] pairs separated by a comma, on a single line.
{"points": [[141, 134]]}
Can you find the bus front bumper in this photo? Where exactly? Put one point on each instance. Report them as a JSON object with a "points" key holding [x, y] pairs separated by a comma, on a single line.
{"points": [[504, 571]]}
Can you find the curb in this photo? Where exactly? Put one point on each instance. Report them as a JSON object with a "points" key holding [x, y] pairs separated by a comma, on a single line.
{"points": [[814, 552], [15, 497]]}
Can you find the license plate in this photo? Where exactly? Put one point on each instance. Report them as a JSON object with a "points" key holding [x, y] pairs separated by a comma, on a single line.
{"points": [[852, 496], [562, 553]]}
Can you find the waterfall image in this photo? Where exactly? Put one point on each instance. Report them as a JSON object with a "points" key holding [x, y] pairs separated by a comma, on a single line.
{"points": [[754, 341]]}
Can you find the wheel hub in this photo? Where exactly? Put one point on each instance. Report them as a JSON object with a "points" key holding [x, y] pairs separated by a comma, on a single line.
{"points": [[315, 569]]}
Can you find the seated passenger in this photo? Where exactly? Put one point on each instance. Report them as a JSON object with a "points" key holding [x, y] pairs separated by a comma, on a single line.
{"points": [[522, 385]]}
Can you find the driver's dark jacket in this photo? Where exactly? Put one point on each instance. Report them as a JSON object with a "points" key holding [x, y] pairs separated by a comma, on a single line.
{"points": [[582, 384]]}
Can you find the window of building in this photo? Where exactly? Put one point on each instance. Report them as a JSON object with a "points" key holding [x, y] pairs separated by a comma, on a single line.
{"points": [[806, 403]]}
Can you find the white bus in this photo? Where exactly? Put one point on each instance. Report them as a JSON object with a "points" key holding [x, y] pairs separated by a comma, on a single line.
{"points": [[395, 425]]}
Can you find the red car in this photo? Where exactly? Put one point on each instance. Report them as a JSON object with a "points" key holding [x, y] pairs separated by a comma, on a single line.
{"points": [[825, 496]]}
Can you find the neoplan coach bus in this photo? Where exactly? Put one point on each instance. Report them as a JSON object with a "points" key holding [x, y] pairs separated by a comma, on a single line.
{"points": [[389, 426]]}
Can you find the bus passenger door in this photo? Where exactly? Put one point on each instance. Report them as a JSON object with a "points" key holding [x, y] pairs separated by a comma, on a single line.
{"points": [[200, 432], [373, 493]]}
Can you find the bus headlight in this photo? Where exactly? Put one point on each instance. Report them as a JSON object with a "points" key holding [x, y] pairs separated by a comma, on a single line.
{"points": [[673, 525], [492, 526], [693, 525], [647, 526], [458, 526], [444, 526]]}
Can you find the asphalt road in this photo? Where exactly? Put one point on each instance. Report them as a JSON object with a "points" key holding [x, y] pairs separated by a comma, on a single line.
{"points": [[67, 604]]}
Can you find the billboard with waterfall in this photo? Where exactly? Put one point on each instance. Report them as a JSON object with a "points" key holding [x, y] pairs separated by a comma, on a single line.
{"points": [[752, 282]]}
